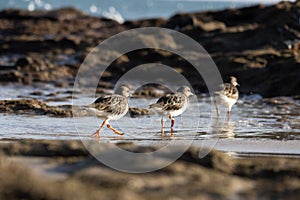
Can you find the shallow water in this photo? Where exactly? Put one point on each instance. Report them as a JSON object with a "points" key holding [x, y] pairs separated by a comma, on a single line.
{"points": [[131, 10], [256, 125]]}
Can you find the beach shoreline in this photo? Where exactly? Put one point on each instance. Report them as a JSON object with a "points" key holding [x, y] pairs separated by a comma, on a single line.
{"points": [[50, 166]]}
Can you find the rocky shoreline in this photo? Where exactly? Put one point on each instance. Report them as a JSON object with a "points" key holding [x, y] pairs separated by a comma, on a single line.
{"points": [[42, 169], [35, 107], [259, 45]]}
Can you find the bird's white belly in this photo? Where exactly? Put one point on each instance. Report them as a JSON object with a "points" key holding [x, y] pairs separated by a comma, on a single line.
{"points": [[224, 100], [175, 113]]}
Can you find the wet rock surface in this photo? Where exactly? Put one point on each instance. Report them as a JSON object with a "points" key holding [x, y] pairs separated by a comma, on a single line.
{"points": [[41, 169], [39, 107], [35, 107], [259, 45], [137, 112]]}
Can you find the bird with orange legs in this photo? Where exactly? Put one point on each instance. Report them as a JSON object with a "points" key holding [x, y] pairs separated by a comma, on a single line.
{"points": [[172, 105], [111, 107], [227, 96]]}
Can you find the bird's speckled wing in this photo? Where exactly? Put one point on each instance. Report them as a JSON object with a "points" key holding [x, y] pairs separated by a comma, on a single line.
{"points": [[170, 102], [112, 104], [229, 90]]}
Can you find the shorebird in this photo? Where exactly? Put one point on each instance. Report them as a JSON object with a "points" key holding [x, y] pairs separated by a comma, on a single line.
{"points": [[227, 96], [172, 105], [111, 107]]}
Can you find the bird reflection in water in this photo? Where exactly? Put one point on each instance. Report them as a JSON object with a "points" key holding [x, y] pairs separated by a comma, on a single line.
{"points": [[224, 129]]}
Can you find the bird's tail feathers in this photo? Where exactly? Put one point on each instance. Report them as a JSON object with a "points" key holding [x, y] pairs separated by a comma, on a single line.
{"points": [[155, 106], [87, 111]]}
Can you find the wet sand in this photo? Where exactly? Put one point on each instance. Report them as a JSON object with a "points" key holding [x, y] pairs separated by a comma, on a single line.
{"points": [[65, 170]]}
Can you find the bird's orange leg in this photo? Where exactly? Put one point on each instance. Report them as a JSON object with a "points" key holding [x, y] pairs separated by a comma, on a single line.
{"points": [[228, 115], [172, 121], [97, 133], [172, 133], [114, 130]]}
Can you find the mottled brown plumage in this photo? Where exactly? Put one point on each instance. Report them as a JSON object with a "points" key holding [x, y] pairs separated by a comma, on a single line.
{"points": [[111, 107], [227, 96], [171, 102], [172, 105], [230, 91]]}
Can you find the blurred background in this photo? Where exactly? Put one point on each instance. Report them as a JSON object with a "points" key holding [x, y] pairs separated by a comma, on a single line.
{"points": [[121, 10]]}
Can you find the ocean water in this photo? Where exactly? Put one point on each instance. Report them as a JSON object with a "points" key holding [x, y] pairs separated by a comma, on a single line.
{"points": [[255, 126], [122, 10]]}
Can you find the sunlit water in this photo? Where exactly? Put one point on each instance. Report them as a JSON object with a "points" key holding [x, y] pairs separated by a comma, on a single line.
{"points": [[255, 126], [120, 10]]}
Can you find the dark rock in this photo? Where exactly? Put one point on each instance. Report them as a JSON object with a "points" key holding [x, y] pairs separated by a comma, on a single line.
{"points": [[149, 90], [32, 106], [26, 106], [37, 93], [258, 44], [137, 112], [185, 22], [22, 62], [11, 76]]}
